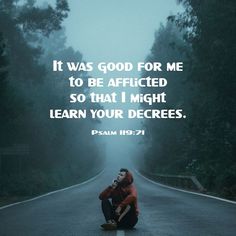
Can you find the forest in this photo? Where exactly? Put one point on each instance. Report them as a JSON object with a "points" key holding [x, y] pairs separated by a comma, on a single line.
{"points": [[203, 144], [39, 154]]}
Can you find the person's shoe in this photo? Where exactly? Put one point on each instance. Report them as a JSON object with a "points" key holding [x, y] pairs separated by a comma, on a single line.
{"points": [[109, 226]]}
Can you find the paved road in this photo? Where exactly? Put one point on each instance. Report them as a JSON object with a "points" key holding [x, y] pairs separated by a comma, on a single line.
{"points": [[76, 212]]}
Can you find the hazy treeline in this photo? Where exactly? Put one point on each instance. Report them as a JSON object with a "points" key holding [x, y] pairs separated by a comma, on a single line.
{"points": [[61, 152], [204, 143]]}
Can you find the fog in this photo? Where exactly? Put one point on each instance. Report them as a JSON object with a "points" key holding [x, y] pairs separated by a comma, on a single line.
{"points": [[116, 31], [41, 152]]}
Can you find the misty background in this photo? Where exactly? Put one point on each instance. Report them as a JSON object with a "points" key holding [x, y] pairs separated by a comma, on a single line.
{"points": [[120, 31], [38, 155]]}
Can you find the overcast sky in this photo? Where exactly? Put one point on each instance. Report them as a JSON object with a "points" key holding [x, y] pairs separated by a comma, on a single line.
{"points": [[116, 30]]}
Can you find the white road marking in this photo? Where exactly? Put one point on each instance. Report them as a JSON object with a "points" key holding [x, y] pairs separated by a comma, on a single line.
{"points": [[185, 191], [57, 191], [120, 233]]}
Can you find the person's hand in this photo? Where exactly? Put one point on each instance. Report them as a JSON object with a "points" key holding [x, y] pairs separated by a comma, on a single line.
{"points": [[118, 210], [114, 184]]}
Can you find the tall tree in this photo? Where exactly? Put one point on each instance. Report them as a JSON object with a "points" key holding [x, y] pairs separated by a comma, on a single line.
{"points": [[208, 147], [165, 152], [59, 153], [213, 130]]}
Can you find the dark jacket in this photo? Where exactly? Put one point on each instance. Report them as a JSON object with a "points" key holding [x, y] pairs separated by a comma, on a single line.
{"points": [[124, 194]]}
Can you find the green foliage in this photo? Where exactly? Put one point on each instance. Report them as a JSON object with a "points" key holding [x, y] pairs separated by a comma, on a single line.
{"points": [[166, 153], [207, 146], [44, 20], [3, 65], [61, 151]]}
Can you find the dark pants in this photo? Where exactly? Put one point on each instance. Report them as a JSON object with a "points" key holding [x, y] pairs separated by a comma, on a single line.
{"points": [[128, 221]]}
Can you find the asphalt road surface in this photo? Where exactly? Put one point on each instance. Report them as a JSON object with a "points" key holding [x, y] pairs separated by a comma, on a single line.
{"points": [[77, 212]]}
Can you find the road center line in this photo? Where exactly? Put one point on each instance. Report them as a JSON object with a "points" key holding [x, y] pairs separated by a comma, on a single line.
{"points": [[120, 233]]}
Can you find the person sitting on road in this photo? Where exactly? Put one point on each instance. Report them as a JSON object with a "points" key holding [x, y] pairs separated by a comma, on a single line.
{"points": [[122, 211]]}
